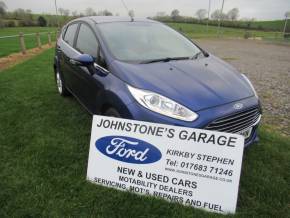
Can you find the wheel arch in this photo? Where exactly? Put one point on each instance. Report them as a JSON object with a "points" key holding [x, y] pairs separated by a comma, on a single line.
{"points": [[55, 63], [109, 99]]}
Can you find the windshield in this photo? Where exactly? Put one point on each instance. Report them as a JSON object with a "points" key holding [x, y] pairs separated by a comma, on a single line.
{"points": [[145, 41]]}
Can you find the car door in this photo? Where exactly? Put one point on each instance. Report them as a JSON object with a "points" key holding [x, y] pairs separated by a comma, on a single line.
{"points": [[88, 79], [67, 53]]}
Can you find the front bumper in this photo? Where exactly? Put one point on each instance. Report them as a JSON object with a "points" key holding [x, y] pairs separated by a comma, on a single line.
{"points": [[206, 116]]}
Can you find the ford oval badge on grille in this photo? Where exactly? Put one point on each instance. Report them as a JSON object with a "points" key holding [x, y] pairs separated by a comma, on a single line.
{"points": [[238, 106], [128, 149]]}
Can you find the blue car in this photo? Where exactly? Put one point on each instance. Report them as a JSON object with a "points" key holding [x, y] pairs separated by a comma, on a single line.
{"points": [[143, 70]]}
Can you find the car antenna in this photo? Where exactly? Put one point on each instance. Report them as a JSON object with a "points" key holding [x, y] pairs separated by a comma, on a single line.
{"points": [[130, 12]]}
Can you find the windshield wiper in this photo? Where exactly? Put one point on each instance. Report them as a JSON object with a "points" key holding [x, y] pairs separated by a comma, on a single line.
{"points": [[164, 60]]}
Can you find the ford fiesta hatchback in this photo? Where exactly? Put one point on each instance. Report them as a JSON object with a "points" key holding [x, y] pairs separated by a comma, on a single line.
{"points": [[144, 70]]}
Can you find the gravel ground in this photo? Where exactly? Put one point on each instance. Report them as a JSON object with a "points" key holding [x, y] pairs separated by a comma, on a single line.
{"points": [[268, 67]]}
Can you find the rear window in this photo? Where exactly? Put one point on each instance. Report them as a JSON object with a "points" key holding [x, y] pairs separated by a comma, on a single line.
{"points": [[70, 34]]}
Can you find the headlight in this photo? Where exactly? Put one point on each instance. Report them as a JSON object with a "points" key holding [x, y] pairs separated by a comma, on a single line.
{"points": [[249, 82], [162, 105]]}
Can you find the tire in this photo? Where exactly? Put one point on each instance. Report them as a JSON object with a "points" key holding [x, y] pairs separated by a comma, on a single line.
{"points": [[62, 90], [112, 112]]}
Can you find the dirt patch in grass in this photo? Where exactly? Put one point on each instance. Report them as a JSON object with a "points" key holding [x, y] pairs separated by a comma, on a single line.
{"points": [[16, 58]]}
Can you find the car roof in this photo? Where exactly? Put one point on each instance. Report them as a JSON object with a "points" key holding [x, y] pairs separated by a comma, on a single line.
{"points": [[110, 19]]}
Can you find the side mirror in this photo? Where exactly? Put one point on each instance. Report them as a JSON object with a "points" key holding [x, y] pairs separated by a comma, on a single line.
{"points": [[82, 60]]}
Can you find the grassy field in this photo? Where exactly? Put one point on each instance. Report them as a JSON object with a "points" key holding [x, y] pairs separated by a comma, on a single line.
{"points": [[200, 31], [44, 144], [267, 25], [277, 25], [11, 45]]}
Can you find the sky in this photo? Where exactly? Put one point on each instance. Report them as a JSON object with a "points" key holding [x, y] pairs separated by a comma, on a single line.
{"points": [[259, 9]]}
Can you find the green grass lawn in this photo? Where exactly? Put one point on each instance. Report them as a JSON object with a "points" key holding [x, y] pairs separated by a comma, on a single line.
{"points": [[269, 24], [11, 45], [200, 31], [44, 145]]}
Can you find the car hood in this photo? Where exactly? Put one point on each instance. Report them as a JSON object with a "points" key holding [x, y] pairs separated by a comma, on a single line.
{"points": [[196, 84]]}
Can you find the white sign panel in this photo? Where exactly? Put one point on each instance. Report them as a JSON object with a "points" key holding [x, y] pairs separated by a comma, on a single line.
{"points": [[193, 167]]}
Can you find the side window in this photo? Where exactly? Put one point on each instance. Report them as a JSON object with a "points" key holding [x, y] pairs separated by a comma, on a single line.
{"points": [[70, 34], [87, 42]]}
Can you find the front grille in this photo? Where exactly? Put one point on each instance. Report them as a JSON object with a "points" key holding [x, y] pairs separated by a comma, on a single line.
{"points": [[236, 122]]}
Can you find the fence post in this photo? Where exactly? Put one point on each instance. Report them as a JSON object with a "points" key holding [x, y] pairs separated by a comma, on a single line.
{"points": [[56, 35], [38, 40], [49, 38], [22, 43]]}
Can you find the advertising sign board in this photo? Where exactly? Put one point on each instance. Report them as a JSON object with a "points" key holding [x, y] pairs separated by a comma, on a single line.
{"points": [[193, 167]]}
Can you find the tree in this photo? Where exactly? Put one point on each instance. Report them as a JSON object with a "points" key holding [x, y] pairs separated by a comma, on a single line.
{"points": [[201, 14], [2, 25], [19, 13], [74, 13], [108, 13], [24, 16], [60, 11], [287, 14], [248, 21], [131, 13], [28, 16], [90, 12], [217, 14], [66, 12], [63, 12], [233, 14], [104, 13], [3, 8], [41, 21], [160, 14], [52, 21], [175, 14]]}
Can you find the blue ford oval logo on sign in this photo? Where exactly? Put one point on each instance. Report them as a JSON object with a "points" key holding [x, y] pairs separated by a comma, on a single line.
{"points": [[128, 149]]}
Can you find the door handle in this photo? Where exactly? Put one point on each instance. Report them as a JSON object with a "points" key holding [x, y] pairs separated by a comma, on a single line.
{"points": [[73, 62]]}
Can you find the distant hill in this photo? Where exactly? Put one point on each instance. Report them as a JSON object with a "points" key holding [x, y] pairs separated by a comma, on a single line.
{"points": [[273, 25]]}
